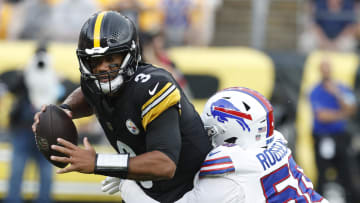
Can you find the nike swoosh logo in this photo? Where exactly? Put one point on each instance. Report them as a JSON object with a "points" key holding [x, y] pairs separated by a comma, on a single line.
{"points": [[152, 92], [211, 154]]}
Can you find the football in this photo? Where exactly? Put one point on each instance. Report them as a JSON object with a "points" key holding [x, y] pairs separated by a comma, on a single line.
{"points": [[54, 123]]}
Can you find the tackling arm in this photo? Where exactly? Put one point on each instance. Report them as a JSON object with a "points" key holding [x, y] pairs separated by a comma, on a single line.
{"points": [[207, 189], [131, 192], [216, 190]]}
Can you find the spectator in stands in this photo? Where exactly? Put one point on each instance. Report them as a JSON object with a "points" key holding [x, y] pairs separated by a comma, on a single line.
{"points": [[30, 20], [129, 8], [150, 15], [6, 9], [177, 18], [176, 21], [333, 104], [68, 16], [332, 26], [154, 52], [31, 87], [202, 24]]}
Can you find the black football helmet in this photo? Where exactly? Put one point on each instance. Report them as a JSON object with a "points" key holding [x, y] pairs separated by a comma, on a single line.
{"points": [[106, 33]]}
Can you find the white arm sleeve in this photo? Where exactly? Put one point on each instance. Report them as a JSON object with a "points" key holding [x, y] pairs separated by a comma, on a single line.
{"points": [[132, 193], [216, 190]]}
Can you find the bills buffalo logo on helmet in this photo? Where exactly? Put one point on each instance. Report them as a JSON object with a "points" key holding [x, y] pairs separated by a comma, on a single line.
{"points": [[224, 110]]}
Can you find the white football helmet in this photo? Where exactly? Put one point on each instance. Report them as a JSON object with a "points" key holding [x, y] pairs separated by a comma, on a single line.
{"points": [[239, 115]]}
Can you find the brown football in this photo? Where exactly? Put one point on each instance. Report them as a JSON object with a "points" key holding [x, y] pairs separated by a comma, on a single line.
{"points": [[54, 123]]}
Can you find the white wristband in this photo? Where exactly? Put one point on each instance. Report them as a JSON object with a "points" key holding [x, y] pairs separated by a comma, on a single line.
{"points": [[115, 165], [112, 161]]}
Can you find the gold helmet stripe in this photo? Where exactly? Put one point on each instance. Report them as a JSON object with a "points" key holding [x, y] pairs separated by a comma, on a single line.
{"points": [[97, 29]]}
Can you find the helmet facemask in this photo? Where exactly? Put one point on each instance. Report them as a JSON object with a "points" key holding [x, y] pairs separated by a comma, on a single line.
{"points": [[106, 82], [214, 132], [115, 78]]}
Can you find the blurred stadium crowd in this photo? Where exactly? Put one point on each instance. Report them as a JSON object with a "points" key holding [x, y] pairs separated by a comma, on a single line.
{"points": [[182, 22], [273, 46]]}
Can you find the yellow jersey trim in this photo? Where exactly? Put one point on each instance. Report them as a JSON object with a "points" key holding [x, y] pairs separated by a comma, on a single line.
{"points": [[168, 96], [157, 95]]}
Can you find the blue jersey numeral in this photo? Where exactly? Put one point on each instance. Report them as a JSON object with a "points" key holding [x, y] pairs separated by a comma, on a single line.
{"points": [[289, 183]]}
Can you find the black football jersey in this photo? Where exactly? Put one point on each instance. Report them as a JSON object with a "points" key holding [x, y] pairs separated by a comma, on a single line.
{"points": [[126, 116]]}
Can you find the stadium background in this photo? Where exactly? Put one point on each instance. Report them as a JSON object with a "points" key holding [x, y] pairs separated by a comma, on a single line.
{"points": [[273, 66]]}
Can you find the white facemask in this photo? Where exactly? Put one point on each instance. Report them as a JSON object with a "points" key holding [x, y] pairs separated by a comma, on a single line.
{"points": [[111, 85]]}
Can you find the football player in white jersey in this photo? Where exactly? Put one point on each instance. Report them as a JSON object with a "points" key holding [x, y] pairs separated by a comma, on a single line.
{"points": [[251, 162]]}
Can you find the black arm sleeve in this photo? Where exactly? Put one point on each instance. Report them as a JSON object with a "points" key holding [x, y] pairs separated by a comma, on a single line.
{"points": [[163, 134]]}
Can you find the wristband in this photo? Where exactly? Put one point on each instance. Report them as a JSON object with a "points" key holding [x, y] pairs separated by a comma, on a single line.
{"points": [[65, 106], [114, 165]]}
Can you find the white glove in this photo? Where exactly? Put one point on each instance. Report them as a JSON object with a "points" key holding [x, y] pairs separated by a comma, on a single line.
{"points": [[111, 185]]}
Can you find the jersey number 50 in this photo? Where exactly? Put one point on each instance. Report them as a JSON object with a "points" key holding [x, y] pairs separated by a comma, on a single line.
{"points": [[288, 183]]}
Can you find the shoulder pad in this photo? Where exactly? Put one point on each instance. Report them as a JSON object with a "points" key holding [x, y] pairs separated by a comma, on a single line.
{"points": [[218, 162], [156, 92]]}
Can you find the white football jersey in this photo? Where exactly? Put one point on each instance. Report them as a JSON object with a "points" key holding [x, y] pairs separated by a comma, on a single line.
{"points": [[264, 174], [230, 174]]}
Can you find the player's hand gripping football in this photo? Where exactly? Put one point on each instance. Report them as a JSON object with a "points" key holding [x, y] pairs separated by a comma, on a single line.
{"points": [[42, 110], [80, 159]]}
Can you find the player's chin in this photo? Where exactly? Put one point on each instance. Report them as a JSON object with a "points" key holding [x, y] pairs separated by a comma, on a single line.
{"points": [[106, 79]]}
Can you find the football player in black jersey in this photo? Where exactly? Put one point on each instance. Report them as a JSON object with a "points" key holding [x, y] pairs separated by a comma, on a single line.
{"points": [[147, 118]]}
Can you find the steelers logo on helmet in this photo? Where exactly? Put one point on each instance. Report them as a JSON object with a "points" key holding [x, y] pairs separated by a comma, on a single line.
{"points": [[239, 115], [104, 36]]}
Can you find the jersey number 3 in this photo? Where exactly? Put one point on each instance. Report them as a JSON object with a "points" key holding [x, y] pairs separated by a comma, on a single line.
{"points": [[288, 183], [124, 148]]}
